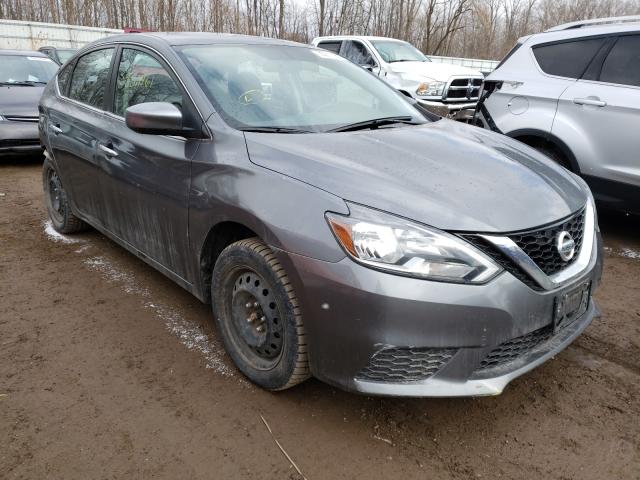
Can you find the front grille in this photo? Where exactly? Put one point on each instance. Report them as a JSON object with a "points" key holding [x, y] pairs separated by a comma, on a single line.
{"points": [[463, 89], [540, 245], [22, 119], [405, 364], [511, 350]]}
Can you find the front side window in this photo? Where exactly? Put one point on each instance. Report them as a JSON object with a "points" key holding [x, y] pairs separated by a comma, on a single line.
{"points": [[622, 65], [26, 70], [392, 51], [142, 79], [278, 86], [358, 53], [89, 79], [567, 59]]}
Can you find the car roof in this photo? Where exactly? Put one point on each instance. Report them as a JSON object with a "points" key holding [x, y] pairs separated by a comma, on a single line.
{"points": [[584, 31], [22, 53], [198, 38], [358, 37]]}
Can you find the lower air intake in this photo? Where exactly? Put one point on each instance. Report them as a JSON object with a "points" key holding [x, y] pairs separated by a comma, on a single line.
{"points": [[405, 364]]}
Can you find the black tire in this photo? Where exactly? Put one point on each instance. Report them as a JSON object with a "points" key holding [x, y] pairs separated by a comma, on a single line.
{"points": [[554, 155], [250, 290], [57, 202]]}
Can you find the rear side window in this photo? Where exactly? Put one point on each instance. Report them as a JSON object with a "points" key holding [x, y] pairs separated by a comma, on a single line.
{"points": [[63, 79], [333, 46], [89, 79], [142, 79], [567, 59], [622, 65]]}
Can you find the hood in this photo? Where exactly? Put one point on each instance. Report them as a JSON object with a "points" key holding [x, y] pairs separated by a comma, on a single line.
{"points": [[437, 71], [445, 174], [20, 101]]}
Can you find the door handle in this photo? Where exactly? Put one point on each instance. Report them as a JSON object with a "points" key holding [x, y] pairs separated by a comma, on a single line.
{"points": [[594, 102], [56, 128], [110, 152]]}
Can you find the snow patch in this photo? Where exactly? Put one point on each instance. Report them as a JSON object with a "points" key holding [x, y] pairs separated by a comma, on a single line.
{"points": [[189, 334], [629, 253], [56, 236]]}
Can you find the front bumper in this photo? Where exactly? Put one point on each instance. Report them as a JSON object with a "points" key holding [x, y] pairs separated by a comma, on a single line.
{"points": [[19, 138], [454, 111], [352, 312]]}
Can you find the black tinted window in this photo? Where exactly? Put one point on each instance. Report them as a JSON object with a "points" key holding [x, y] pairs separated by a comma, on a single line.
{"points": [[89, 80], [357, 53], [623, 62], [142, 79], [331, 46], [567, 59]]}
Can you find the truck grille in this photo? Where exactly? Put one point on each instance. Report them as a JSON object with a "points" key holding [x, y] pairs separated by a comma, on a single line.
{"points": [[405, 364], [463, 89]]}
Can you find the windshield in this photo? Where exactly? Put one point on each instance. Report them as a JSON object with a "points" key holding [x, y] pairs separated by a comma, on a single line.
{"points": [[65, 55], [288, 87], [24, 69], [395, 51]]}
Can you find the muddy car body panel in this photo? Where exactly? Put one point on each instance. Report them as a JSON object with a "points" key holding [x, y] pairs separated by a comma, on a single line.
{"points": [[178, 200]]}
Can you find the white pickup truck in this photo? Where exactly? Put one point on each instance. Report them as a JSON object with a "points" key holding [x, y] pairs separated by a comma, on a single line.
{"points": [[447, 90]]}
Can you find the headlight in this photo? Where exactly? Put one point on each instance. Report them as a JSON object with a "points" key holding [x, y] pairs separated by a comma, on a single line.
{"points": [[386, 242], [430, 89]]}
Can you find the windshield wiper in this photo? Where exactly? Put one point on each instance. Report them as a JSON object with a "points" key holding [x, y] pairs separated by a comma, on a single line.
{"points": [[375, 123], [274, 130], [22, 83]]}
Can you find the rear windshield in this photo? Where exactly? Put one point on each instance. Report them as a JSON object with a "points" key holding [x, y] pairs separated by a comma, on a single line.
{"points": [[20, 69]]}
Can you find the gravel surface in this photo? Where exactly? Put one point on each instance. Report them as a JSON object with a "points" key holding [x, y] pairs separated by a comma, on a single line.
{"points": [[109, 370]]}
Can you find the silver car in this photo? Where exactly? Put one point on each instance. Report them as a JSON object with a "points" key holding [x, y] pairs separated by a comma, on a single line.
{"points": [[573, 92], [337, 230]]}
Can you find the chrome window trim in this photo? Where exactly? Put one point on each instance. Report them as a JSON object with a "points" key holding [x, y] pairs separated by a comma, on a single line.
{"points": [[557, 280]]}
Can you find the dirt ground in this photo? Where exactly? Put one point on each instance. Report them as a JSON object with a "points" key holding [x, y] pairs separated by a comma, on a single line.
{"points": [[109, 370]]}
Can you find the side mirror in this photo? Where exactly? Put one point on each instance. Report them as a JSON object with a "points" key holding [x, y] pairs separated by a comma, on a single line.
{"points": [[155, 118]]}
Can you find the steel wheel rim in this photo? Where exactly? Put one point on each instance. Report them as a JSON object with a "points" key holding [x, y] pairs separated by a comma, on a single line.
{"points": [[54, 187], [256, 323]]}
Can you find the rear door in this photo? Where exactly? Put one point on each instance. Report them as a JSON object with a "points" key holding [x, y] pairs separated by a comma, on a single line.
{"points": [[599, 115], [145, 179], [74, 125]]}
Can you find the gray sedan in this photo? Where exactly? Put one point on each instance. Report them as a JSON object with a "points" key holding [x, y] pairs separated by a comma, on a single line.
{"points": [[337, 229]]}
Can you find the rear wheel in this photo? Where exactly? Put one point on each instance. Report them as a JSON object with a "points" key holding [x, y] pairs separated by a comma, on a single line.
{"points": [[258, 315], [57, 202]]}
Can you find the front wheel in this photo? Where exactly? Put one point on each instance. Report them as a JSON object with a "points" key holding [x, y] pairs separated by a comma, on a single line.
{"points": [[57, 202], [258, 315]]}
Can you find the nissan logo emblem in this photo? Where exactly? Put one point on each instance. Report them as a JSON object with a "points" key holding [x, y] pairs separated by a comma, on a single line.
{"points": [[566, 246]]}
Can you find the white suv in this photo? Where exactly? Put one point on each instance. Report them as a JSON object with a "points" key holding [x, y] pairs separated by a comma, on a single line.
{"points": [[573, 92], [448, 90]]}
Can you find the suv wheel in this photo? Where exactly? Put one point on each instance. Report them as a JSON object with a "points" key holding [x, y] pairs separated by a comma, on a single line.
{"points": [[258, 316], [57, 202]]}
